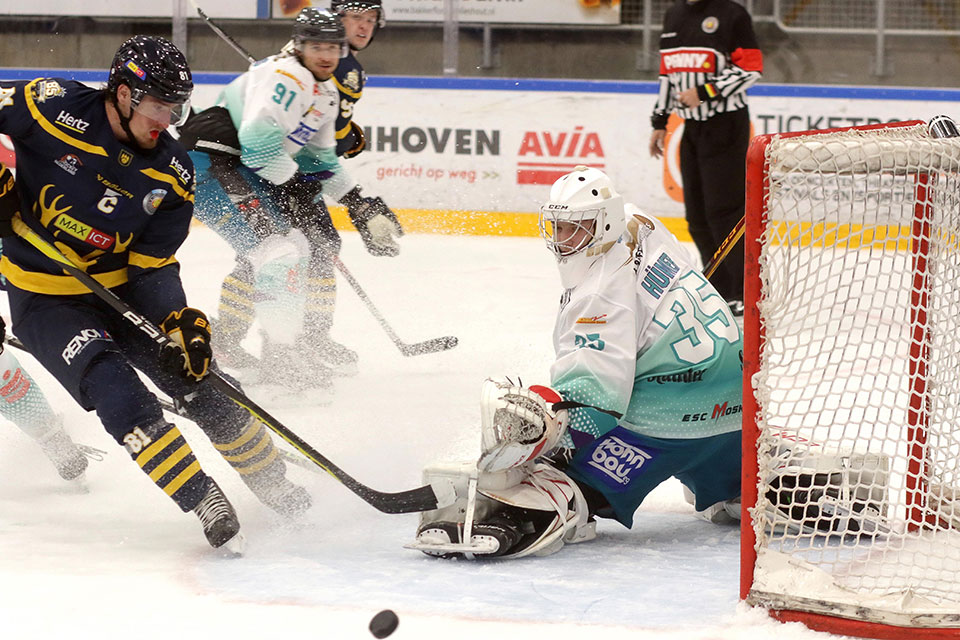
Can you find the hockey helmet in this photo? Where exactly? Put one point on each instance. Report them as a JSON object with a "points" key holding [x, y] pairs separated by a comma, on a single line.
{"points": [[153, 66], [318, 25], [583, 217], [341, 6]]}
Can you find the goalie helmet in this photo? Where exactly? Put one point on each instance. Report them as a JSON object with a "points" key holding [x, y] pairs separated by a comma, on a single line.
{"points": [[341, 6], [582, 219], [318, 25], [152, 66]]}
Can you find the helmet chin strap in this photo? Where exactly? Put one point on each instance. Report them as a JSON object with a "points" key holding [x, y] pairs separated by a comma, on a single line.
{"points": [[125, 125]]}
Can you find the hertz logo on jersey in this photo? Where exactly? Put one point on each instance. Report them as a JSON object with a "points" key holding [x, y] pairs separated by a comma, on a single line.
{"points": [[73, 123], [688, 61]]}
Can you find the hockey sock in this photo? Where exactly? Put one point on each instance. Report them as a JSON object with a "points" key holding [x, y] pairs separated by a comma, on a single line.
{"points": [[321, 297], [236, 309], [22, 402], [167, 459], [252, 451]]}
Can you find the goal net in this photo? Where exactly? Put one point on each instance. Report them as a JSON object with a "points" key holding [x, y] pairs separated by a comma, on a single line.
{"points": [[852, 380]]}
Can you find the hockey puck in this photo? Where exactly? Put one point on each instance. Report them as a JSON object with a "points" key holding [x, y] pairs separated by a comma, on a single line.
{"points": [[384, 623]]}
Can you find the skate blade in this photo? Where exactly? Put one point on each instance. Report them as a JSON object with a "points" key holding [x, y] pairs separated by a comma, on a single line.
{"points": [[234, 547]]}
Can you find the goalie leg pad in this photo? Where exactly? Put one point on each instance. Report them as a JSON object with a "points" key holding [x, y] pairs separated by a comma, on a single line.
{"points": [[529, 510]]}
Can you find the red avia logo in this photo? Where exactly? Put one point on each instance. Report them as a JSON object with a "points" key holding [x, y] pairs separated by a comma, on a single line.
{"points": [[544, 156], [15, 386]]}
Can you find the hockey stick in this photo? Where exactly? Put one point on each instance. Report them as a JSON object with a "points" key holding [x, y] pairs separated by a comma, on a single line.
{"points": [[423, 498], [418, 348], [223, 34], [724, 249]]}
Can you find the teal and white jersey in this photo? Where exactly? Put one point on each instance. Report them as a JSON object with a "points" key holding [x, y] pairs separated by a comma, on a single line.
{"points": [[645, 335], [285, 120]]}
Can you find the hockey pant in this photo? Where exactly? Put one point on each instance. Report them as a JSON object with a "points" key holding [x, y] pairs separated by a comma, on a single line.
{"points": [[713, 167], [95, 354], [619, 469], [246, 211]]}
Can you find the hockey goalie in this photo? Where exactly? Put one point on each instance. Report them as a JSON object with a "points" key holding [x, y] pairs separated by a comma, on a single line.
{"points": [[646, 386]]}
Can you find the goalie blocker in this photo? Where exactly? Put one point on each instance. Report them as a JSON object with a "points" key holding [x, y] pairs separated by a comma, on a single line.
{"points": [[515, 501]]}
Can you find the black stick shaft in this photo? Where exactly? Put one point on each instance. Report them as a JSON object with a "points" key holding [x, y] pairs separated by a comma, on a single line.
{"points": [[420, 499]]}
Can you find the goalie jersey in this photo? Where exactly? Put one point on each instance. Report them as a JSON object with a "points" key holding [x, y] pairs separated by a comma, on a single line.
{"points": [[645, 335], [114, 211]]}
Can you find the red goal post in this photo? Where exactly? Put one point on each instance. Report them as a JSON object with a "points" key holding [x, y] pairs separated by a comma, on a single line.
{"points": [[851, 423]]}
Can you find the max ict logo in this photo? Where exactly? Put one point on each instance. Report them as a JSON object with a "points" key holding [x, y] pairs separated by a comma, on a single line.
{"points": [[719, 411], [83, 231], [80, 341], [589, 341], [137, 71], [545, 156], [618, 460]]}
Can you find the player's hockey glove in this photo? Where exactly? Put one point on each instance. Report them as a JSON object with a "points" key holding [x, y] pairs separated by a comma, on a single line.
{"points": [[357, 139], [377, 224], [188, 353], [9, 202]]}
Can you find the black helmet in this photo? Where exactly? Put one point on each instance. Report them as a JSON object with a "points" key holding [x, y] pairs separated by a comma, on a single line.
{"points": [[317, 25], [340, 6], [153, 66]]}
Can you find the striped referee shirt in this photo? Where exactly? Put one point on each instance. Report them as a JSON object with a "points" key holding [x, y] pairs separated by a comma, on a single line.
{"points": [[710, 45]]}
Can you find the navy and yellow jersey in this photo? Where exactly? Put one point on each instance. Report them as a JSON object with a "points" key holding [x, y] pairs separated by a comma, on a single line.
{"points": [[349, 78], [116, 212]]}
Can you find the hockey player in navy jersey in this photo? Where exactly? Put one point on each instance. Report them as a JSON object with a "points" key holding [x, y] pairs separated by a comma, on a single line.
{"points": [[98, 174], [265, 157], [361, 20]]}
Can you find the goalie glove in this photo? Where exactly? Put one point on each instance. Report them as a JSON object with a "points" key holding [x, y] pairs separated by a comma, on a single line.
{"points": [[377, 224], [517, 424], [188, 353]]}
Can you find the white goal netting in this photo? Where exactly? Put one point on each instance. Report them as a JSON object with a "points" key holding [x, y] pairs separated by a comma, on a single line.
{"points": [[857, 381]]}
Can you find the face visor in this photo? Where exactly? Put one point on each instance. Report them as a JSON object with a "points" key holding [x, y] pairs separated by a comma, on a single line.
{"points": [[155, 109], [568, 232]]}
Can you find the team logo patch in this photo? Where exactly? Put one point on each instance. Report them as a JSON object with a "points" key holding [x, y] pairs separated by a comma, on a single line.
{"points": [[710, 24], [589, 341], [151, 202], [69, 163], [352, 79], [46, 89], [615, 459], [125, 158]]}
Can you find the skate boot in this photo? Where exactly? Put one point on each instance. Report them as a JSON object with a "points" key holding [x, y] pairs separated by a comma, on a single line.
{"points": [[285, 370], [330, 353], [65, 455], [491, 538], [282, 496], [219, 520]]}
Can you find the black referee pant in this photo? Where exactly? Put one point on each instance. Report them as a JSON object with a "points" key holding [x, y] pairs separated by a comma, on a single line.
{"points": [[713, 167]]}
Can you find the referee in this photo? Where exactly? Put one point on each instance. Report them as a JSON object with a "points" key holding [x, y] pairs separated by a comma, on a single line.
{"points": [[708, 58]]}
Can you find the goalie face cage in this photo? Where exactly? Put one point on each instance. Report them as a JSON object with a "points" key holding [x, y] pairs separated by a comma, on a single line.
{"points": [[851, 426]]}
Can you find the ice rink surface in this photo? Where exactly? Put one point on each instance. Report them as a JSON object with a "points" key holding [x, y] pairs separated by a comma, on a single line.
{"points": [[121, 561]]}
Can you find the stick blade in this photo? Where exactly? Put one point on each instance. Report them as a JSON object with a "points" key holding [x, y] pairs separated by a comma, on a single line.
{"points": [[429, 346]]}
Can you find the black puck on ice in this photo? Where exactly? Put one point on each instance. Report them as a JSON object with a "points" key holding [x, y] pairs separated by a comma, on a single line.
{"points": [[384, 623]]}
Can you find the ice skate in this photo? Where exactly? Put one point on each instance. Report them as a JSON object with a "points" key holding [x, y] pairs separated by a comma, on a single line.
{"points": [[219, 520], [66, 456], [330, 353], [286, 374], [278, 493]]}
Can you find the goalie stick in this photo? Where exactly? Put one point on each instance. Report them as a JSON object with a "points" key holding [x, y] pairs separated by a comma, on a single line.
{"points": [[416, 349], [423, 498]]}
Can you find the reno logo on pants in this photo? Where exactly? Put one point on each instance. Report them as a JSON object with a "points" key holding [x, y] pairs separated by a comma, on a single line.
{"points": [[618, 460]]}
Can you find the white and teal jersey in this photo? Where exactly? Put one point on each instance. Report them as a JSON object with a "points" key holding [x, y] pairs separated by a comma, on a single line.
{"points": [[285, 120], [646, 336]]}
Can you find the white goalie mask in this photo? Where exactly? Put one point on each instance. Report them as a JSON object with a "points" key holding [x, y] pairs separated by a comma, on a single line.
{"points": [[583, 218]]}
